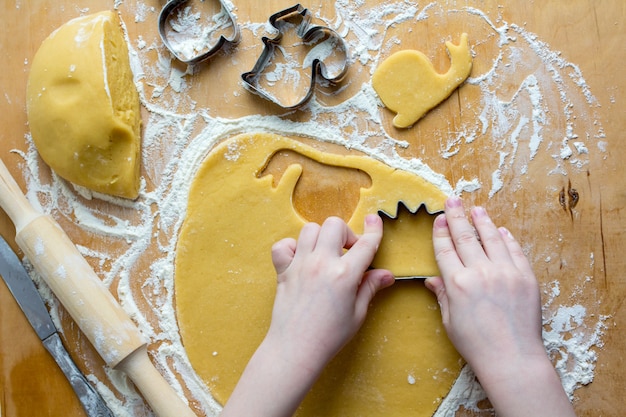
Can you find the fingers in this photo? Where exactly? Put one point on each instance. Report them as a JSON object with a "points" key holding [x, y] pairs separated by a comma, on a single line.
{"points": [[330, 240], [515, 252], [364, 249], [462, 233], [459, 233], [437, 286], [446, 255], [307, 240], [490, 237], [373, 281], [334, 236], [283, 252]]}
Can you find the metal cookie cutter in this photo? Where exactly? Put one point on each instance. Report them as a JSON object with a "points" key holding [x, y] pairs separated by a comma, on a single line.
{"points": [[307, 33], [385, 215], [201, 50]]}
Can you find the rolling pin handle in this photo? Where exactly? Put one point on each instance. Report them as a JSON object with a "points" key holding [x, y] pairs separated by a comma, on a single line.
{"points": [[155, 389], [13, 201]]}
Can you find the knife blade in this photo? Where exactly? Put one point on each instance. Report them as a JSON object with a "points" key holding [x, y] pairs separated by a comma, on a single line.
{"points": [[25, 293]]}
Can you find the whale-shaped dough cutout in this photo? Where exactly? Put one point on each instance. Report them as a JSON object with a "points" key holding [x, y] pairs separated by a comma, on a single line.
{"points": [[409, 85], [401, 363], [83, 108]]}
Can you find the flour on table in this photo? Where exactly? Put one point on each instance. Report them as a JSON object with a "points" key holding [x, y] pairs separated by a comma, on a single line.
{"points": [[513, 126]]}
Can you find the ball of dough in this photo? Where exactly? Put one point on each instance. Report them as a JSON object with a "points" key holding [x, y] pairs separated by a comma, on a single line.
{"points": [[83, 107]]}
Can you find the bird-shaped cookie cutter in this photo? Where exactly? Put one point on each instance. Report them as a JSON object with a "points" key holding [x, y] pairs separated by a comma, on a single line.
{"points": [[170, 8], [307, 33]]}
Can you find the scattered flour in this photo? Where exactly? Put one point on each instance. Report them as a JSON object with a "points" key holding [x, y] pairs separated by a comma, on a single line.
{"points": [[512, 128]]}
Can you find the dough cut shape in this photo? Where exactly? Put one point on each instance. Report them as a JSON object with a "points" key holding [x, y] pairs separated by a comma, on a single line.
{"points": [[409, 85], [83, 108], [401, 363]]}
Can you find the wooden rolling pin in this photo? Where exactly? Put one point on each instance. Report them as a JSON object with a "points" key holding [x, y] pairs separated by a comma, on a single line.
{"points": [[98, 314]]}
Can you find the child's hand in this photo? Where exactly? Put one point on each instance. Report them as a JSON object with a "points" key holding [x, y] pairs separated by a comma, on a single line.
{"points": [[489, 296], [324, 291], [321, 301], [491, 308]]}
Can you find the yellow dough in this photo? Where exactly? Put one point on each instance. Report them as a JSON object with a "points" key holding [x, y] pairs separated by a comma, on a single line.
{"points": [[408, 84], [83, 108], [400, 363]]}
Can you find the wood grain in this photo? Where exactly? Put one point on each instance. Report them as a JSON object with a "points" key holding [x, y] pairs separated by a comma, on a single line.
{"points": [[590, 34]]}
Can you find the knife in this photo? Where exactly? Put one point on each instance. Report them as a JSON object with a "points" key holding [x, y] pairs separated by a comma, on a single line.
{"points": [[23, 289]]}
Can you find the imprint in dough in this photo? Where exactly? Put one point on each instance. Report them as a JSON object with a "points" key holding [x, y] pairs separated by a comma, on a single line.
{"points": [[409, 85], [401, 363], [83, 108]]}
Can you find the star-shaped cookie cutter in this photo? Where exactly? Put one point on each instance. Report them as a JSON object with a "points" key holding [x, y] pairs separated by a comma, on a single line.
{"points": [[307, 33], [170, 7]]}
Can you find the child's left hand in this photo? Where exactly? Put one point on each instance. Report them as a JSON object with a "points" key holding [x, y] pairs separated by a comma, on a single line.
{"points": [[324, 291], [321, 301]]}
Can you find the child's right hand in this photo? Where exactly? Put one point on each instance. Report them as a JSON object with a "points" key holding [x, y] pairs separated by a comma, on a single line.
{"points": [[489, 296], [491, 309]]}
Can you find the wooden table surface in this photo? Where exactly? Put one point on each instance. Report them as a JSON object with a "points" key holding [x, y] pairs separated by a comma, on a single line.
{"points": [[580, 246]]}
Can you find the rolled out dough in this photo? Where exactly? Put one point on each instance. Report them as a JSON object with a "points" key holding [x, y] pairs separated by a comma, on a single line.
{"points": [[409, 85], [83, 108], [400, 363]]}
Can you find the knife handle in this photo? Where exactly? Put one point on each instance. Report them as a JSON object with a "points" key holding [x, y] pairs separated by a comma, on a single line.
{"points": [[89, 398]]}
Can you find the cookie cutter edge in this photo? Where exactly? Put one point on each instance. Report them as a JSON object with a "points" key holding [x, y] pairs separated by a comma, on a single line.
{"points": [[169, 8], [421, 206], [306, 32]]}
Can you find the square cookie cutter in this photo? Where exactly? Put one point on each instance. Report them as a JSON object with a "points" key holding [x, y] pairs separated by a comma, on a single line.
{"points": [[307, 33], [171, 7]]}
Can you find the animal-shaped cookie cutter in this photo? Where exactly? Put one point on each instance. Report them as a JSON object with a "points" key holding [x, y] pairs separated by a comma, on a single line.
{"points": [[208, 51], [307, 33]]}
